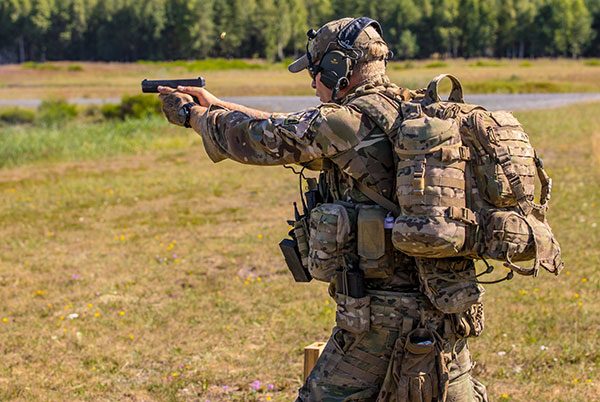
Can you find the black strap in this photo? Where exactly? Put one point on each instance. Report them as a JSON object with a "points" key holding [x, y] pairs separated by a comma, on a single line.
{"points": [[348, 35]]}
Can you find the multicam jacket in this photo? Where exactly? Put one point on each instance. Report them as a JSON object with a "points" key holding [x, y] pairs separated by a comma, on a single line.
{"points": [[346, 140]]}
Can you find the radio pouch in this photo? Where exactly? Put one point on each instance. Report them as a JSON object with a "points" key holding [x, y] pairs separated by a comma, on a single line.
{"points": [[372, 241]]}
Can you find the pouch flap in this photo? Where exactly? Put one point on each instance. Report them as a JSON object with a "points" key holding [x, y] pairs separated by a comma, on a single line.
{"points": [[371, 233]]}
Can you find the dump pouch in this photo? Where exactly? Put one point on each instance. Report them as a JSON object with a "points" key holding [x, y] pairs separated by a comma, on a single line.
{"points": [[331, 235], [421, 372], [372, 242], [353, 314], [449, 284], [289, 248]]}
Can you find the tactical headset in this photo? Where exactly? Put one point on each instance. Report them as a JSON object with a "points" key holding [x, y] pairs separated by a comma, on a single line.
{"points": [[336, 66]]}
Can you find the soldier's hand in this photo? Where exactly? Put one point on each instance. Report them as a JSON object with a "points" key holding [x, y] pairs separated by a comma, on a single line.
{"points": [[172, 101], [204, 97]]}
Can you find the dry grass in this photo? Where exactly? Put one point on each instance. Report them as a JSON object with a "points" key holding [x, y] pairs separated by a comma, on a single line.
{"points": [[105, 80], [172, 267]]}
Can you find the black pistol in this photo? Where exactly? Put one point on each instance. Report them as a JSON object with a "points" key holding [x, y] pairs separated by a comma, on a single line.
{"points": [[151, 86]]}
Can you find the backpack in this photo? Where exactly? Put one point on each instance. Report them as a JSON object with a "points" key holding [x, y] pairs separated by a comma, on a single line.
{"points": [[465, 184]]}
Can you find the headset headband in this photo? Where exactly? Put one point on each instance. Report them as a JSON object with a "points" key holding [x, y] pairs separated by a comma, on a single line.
{"points": [[348, 35]]}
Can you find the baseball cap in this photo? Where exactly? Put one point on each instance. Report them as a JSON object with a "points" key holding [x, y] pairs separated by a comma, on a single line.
{"points": [[326, 40]]}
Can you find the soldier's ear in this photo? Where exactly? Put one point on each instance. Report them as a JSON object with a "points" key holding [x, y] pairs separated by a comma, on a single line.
{"points": [[335, 67]]}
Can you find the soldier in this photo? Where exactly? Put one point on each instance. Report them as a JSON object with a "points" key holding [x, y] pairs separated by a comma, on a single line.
{"points": [[390, 342]]}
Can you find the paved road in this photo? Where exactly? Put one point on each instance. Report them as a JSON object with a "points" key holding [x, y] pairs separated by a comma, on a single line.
{"points": [[291, 103]]}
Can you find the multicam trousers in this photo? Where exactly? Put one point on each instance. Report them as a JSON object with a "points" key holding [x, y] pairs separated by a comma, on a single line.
{"points": [[365, 366]]}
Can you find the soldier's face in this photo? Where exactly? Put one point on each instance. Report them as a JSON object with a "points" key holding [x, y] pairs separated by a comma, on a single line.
{"points": [[321, 90]]}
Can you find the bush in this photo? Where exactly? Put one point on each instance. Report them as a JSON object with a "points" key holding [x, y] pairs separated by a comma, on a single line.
{"points": [[591, 62], [138, 106], [39, 66], [17, 116], [526, 64], [75, 67], [436, 64], [485, 63], [56, 112]]}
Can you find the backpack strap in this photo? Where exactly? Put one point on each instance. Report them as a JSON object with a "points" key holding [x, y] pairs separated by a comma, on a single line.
{"points": [[378, 198], [456, 94]]}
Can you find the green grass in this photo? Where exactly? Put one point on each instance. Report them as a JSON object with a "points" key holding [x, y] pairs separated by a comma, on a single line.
{"points": [[172, 265], [217, 64]]}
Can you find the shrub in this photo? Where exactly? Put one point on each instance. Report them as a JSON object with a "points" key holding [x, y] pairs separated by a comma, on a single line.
{"points": [[591, 62], [526, 64], [39, 66], [56, 112], [137, 106], [436, 64], [485, 63], [75, 67], [17, 116]]}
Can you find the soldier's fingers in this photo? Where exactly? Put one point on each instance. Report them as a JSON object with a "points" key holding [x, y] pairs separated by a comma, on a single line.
{"points": [[165, 90], [190, 90]]}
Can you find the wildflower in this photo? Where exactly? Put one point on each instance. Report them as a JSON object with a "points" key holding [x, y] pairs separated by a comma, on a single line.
{"points": [[259, 279], [501, 353], [268, 398], [26, 262], [122, 238], [256, 385], [271, 387], [259, 236], [89, 305], [131, 336], [97, 293], [187, 367], [568, 272], [536, 290], [75, 276], [588, 381], [121, 313], [96, 314], [4, 319], [174, 374], [576, 295], [72, 316], [543, 347], [246, 283], [94, 368], [580, 304], [225, 388], [61, 317], [575, 380], [584, 280], [228, 328], [505, 396]]}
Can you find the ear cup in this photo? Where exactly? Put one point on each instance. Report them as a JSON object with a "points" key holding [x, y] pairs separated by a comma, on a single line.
{"points": [[335, 65]]}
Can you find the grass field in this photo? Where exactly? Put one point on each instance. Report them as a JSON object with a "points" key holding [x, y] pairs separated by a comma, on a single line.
{"points": [[234, 78], [132, 268]]}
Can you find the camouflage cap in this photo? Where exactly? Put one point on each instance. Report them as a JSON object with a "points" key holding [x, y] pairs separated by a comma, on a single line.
{"points": [[326, 40]]}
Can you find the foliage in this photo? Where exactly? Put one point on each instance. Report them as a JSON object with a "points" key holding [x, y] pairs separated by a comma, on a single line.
{"points": [[56, 112], [130, 30], [136, 106], [17, 116]]}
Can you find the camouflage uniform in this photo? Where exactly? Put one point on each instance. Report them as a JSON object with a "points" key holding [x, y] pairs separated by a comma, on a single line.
{"points": [[349, 141]]}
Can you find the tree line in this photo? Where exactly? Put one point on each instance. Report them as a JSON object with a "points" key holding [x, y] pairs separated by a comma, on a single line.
{"points": [[129, 30]]}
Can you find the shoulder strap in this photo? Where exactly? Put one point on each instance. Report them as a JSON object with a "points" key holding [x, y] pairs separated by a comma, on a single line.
{"points": [[378, 198]]}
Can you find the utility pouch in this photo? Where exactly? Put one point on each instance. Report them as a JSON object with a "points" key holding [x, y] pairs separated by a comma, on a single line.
{"points": [[330, 236], [371, 242], [507, 236], [469, 323], [421, 373], [449, 284], [353, 314]]}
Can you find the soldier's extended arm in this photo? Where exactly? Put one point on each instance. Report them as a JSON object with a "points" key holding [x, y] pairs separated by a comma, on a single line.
{"points": [[281, 138], [205, 98]]}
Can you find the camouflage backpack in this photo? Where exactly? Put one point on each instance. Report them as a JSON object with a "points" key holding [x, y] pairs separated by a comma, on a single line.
{"points": [[465, 184]]}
